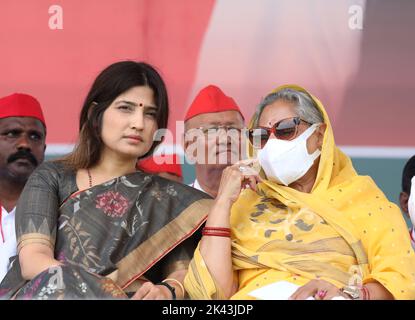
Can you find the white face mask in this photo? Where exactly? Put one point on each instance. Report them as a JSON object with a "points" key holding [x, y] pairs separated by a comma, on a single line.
{"points": [[411, 202], [287, 161]]}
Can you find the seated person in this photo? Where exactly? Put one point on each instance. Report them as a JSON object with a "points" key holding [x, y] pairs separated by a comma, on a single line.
{"points": [[308, 219], [90, 225], [212, 139], [22, 149]]}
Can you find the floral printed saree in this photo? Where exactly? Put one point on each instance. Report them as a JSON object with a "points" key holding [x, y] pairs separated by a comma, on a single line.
{"points": [[109, 237]]}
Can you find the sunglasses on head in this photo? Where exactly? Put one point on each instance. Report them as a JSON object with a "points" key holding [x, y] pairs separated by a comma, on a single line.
{"points": [[285, 129]]}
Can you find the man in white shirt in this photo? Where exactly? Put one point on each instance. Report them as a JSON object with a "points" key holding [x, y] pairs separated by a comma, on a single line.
{"points": [[22, 148], [407, 196], [212, 140]]}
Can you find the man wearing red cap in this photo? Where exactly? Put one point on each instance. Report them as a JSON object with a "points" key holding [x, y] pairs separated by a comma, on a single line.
{"points": [[22, 148], [212, 140]]}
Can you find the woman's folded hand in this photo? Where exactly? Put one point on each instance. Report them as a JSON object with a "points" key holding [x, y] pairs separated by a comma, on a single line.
{"points": [[237, 177], [317, 289]]}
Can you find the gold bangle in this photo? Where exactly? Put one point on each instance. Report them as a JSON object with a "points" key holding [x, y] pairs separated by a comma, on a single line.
{"points": [[177, 282]]}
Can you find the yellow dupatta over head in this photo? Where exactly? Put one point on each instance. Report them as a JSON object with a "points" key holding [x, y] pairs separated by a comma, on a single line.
{"points": [[344, 231]]}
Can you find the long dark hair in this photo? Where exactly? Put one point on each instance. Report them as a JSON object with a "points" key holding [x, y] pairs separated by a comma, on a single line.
{"points": [[111, 82]]}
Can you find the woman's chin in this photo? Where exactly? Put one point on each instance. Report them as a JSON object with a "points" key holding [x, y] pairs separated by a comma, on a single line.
{"points": [[133, 152]]}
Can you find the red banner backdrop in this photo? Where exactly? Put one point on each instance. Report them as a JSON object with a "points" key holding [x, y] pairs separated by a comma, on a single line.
{"points": [[356, 56]]}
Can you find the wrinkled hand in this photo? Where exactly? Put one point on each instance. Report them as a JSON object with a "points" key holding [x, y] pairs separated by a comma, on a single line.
{"points": [[151, 291], [312, 289], [236, 177]]}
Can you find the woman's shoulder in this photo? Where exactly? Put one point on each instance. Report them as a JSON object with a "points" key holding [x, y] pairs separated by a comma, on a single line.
{"points": [[171, 189], [51, 168], [368, 200], [180, 187], [53, 172]]}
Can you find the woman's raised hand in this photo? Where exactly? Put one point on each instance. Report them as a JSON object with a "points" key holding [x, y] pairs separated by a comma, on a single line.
{"points": [[243, 174]]}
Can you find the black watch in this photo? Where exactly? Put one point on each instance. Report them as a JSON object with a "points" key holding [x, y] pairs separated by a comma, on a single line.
{"points": [[171, 288]]}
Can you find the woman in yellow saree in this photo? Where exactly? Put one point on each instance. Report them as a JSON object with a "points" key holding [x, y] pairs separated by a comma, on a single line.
{"points": [[311, 221]]}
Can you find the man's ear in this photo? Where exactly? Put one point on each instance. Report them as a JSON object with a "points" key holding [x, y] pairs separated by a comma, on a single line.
{"points": [[184, 142], [321, 130], [44, 154], [403, 201]]}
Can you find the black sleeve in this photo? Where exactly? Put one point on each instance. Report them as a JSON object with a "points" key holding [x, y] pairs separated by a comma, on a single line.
{"points": [[37, 208]]}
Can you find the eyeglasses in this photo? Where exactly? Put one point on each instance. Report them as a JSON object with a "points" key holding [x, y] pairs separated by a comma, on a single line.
{"points": [[215, 130], [285, 129]]}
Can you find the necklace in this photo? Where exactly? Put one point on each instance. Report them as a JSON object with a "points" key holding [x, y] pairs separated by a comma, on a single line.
{"points": [[89, 177]]}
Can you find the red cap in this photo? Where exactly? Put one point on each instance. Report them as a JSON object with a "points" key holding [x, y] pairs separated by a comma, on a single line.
{"points": [[21, 105], [157, 164], [211, 99]]}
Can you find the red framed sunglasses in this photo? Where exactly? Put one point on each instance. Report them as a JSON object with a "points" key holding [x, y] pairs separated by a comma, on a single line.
{"points": [[285, 129]]}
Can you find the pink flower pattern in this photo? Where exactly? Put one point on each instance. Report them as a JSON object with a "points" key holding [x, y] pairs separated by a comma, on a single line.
{"points": [[61, 257], [113, 203]]}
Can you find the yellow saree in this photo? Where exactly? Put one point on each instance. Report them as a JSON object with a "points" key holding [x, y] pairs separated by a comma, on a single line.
{"points": [[344, 231]]}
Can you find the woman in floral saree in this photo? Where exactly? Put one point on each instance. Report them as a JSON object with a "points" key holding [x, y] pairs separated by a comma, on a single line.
{"points": [[307, 219], [90, 225]]}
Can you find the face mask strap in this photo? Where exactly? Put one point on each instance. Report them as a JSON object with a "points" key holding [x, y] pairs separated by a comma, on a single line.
{"points": [[312, 129], [315, 155], [307, 134]]}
